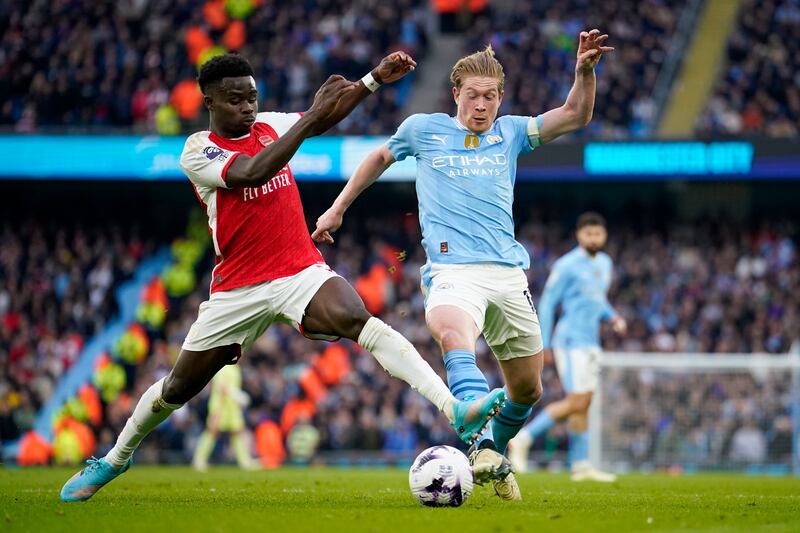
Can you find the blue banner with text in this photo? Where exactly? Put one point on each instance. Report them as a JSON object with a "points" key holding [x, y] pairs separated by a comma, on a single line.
{"points": [[128, 157]]}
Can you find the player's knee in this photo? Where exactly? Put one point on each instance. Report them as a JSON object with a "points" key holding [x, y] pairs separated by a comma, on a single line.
{"points": [[579, 403], [528, 392], [351, 317], [451, 338]]}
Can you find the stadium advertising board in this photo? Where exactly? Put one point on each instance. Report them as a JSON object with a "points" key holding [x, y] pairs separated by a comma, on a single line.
{"points": [[95, 157]]}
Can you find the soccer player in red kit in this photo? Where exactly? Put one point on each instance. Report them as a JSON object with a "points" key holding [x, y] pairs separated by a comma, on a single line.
{"points": [[268, 269]]}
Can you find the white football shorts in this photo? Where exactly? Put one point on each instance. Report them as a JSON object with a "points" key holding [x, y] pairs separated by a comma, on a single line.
{"points": [[578, 368], [242, 315], [495, 296]]}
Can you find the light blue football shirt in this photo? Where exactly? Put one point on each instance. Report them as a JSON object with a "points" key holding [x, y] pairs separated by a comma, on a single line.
{"points": [[579, 282], [465, 185]]}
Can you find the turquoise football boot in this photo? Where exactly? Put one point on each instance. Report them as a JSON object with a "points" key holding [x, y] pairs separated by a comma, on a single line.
{"points": [[473, 415], [92, 478]]}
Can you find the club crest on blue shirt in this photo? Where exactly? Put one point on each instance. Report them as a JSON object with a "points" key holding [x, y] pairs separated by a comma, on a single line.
{"points": [[471, 141], [493, 139]]}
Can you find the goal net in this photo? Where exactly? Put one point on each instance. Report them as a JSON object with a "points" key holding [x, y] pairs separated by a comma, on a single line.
{"points": [[690, 412]]}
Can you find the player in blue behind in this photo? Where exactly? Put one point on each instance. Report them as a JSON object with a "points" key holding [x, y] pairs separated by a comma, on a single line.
{"points": [[579, 283], [474, 281]]}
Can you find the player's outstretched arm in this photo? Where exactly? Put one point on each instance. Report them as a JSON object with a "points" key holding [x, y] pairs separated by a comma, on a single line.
{"points": [[577, 109], [365, 175], [391, 68], [248, 171]]}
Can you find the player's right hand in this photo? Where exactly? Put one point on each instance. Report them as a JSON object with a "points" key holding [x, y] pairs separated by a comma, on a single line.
{"points": [[328, 96], [619, 325], [591, 48], [329, 221]]}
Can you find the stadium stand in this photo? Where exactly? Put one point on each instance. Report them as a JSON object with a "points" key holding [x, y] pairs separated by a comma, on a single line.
{"points": [[82, 64], [338, 396], [56, 292], [757, 90], [78, 64], [539, 65], [673, 299], [704, 420], [714, 286]]}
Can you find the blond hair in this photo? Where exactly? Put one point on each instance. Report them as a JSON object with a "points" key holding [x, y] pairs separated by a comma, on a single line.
{"points": [[481, 63]]}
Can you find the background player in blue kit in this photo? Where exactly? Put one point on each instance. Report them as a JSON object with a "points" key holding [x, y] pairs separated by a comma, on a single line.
{"points": [[474, 280], [578, 282]]}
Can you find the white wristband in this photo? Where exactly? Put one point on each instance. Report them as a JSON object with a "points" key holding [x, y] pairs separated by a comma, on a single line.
{"points": [[370, 82]]}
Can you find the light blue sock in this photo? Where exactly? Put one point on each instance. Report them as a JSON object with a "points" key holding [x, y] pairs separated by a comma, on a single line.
{"points": [[465, 379], [578, 447], [540, 424], [508, 421]]}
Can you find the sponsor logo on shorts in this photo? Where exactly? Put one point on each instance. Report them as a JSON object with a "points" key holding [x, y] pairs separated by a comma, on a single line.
{"points": [[212, 152], [443, 286], [443, 248]]}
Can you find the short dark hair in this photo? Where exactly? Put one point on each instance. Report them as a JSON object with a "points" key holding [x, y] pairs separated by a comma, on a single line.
{"points": [[225, 66], [590, 218]]}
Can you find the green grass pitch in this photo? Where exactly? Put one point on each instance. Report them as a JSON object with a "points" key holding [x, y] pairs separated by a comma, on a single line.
{"points": [[173, 499]]}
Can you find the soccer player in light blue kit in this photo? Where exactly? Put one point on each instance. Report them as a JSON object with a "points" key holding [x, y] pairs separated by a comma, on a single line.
{"points": [[579, 283], [474, 281]]}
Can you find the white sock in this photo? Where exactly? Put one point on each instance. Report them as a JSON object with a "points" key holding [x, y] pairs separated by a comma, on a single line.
{"points": [[149, 412], [400, 359]]}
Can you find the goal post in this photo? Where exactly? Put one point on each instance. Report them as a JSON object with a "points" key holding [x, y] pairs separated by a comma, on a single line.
{"points": [[685, 412]]}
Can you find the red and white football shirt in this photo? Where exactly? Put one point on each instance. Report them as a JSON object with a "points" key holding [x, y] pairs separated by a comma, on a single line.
{"points": [[259, 233]]}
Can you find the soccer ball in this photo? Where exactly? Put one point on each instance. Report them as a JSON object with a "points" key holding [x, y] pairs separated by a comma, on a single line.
{"points": [[441, 477]]}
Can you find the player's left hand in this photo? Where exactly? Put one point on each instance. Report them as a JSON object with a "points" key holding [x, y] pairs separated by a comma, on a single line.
{"points": [[393, 67], [591, 49], [619, 325]]}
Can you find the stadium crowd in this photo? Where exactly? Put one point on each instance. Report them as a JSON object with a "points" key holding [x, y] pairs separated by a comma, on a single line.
{"points": [[119, 64], [56, 292], [758, 91], [704, 288], [711, 287], [539, 62], [663, 419], [132, 64]]}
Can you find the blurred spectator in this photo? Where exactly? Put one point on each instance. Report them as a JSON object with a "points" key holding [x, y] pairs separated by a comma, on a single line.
{"points": [[758, 91], [748, 444]]}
